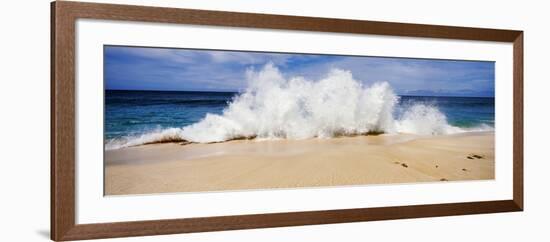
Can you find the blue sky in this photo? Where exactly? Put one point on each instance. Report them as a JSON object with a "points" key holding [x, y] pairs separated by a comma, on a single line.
{"points": [[136, 68]]}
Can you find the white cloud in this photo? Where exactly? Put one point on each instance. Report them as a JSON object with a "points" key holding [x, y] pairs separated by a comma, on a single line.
{"points": [[246, 58]]}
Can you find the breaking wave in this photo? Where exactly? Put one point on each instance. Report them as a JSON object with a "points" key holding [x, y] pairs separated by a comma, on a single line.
{"points": [[275, 107]]}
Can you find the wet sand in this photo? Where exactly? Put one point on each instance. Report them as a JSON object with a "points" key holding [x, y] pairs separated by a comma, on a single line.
{"points": [[253, 164]]}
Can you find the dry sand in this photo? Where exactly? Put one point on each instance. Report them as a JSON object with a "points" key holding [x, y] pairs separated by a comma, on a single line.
{"points": [[251, 164]]}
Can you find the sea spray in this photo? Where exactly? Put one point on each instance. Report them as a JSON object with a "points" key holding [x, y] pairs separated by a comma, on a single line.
{"points": [[425, 120], [295, 108], [276, 107]]}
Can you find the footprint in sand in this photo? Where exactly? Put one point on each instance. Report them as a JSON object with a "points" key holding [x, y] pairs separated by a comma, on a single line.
{"points": [[474, 156], [402, 164]]}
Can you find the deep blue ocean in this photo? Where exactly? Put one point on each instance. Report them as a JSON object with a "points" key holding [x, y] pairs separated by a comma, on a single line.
{"points": [[130, 113]]}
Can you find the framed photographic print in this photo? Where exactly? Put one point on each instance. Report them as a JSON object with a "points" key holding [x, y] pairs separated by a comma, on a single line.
{"points": [[172, 120]]}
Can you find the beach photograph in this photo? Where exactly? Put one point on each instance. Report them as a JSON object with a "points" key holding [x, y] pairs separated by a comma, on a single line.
{"points": [[197, 120]]}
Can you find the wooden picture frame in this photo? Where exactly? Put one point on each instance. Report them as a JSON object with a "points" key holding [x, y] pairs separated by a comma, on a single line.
{"points": [[63, 18]]}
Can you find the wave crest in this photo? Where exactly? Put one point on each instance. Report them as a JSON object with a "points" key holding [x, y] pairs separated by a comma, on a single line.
{"points": [[158, 136]]}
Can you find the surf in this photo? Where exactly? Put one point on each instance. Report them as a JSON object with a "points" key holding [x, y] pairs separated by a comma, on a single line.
{"points": [[275, 106]]}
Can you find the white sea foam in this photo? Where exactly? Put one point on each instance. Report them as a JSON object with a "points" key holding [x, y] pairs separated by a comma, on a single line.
{"points": [[275, 107], [425, 120]]}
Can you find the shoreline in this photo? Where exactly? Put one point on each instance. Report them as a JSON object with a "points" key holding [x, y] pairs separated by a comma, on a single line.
{"points": [[265, 164]]}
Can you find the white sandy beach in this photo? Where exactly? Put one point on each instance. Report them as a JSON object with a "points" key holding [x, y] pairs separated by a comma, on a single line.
{"points": [[253, 164]]}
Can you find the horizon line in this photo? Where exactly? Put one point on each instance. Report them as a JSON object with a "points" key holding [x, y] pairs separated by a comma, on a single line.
{"points": [[231, 91]]}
